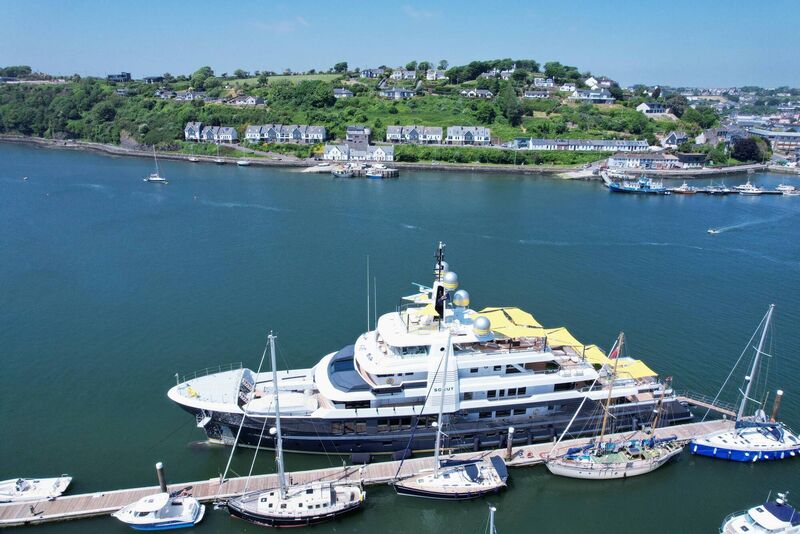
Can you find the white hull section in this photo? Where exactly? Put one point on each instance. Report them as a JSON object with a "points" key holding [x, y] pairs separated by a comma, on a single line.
{"points": [[591, 470], [33, 489]]}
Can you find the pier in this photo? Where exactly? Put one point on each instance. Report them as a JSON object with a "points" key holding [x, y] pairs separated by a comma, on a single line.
{"points": [[102, 503]]}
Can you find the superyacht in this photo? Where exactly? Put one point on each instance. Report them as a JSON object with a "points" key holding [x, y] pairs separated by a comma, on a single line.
{"points": [[503, 369]]}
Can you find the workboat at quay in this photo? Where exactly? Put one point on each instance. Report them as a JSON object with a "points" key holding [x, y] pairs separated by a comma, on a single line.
{"points": [[748, 189], [642, 186], [162, 511], [684, 189], [774, 517], [33, 489], [504, 369], [754, 438]]}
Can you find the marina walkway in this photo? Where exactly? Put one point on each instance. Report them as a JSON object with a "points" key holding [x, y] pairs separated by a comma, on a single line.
{"points": [[105, 502]]}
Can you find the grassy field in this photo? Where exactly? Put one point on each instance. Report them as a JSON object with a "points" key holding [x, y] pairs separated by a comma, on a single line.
{"points": [[293, 78]]}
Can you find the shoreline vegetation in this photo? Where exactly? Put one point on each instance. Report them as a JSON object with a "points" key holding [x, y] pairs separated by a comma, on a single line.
{"points": [[231, 155]]}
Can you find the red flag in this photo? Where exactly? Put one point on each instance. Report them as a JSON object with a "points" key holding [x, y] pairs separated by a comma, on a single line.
{"points": [[614, 352]]}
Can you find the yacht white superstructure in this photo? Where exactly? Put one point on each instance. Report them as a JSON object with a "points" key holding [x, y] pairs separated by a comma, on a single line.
{"points": [[504, 368]]}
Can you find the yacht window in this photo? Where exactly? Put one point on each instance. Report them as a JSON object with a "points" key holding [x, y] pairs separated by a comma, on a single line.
{"points": [[383, 425], [349, 427], [299, 505], [468, 395], [406, 423], [484, 415], [510, 370], [521, 391], [512, 392], [491, 394], [310, 491], [361, 428], [498, 367], [502, 413], [473, 370], [356, 405], [283, 505], [263, 499], [270, 505], [337, 429], [502, 393]]}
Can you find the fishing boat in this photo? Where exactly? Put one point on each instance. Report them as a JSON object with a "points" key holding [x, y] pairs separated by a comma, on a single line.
{"points": [[717, 189], [33, 489], [614, 459], [713, 231], [684, 189], [754, 438], [374, 174], [243, 163], [774, 517], [293, 505], [643, 186], [162, 511], [785, 188], [452, 480], [342, 172], [369, 396], [156, 177], [748, 189]]}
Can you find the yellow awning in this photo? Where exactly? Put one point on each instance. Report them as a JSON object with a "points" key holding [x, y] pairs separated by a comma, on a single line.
{"points": [[560, 337], [634, 369], [595, 356], [507, 316], [497, 318], [521, 317], [427, 310], [515, 332], [419, 298]]}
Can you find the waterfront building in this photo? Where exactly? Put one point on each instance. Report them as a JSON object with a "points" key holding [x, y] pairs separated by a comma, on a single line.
{"points": [[192, 131], [593, 96], [674, 139], [643, 160], [285, 133], [468, 135], [357, 135], [414, 134], [780, 141], [591, 145], [345, 152]]}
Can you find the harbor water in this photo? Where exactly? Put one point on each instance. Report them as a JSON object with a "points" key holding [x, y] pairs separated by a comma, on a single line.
{"points": [[110, 286]]}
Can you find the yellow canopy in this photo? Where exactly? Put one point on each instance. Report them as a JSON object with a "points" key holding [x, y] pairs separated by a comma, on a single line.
{"points": [[497, 318], [560, 337], [515, 332], [595, 356], [634, 369], [505, 317], [427, 310], [419, 298], [521, 317]]}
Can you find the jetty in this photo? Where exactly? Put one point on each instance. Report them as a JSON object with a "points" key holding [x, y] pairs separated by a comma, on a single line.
{"points": [[102, 503]]}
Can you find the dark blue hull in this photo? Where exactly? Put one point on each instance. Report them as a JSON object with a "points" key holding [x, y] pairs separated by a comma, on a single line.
{"points": [[735, 455], [616, 188]]}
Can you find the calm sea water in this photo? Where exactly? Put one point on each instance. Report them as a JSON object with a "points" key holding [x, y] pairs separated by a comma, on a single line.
{"points": [[110, 286]]}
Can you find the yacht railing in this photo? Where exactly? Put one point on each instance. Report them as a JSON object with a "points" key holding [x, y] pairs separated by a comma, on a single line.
{"points": [[208, 371]]}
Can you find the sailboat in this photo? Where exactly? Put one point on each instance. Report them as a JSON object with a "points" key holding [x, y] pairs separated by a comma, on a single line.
{"points": [[294, 505], [454, 480], [156, 177], [755, 437], [192, 157], [621, 459], [218, 160]]}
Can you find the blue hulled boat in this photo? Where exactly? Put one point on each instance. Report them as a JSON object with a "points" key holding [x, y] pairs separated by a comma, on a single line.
{"points": [[642, 186]]}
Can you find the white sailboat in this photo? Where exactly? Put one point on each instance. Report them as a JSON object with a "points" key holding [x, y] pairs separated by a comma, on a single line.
{"points": [[457, 480], [218, 160], [156, 177], [610, 460], [755, 437], [33, 489], [294, 505]]}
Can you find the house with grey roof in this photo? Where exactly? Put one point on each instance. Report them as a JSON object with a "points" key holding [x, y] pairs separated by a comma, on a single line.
{"points": [[403, 74], [285, 133], [253, 133], [535, 94], [357, 135], [544, 83], [192, 131], [434, 75], [342, 93], [651, 108], [477, 93], [210, 134], [673, 139], [592, 96], [372, 73], [468, 135], [246, 100], [643, 160], [582, 145], [414, 134], [396, 93], [344, 152], [227, 134], [188, 96]]}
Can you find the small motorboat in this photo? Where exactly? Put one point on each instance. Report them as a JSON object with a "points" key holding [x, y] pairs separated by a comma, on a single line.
{"points": [[792, 193], [748, 189], [684, 189], [33, 489], [342, 173], [713, 231], [774, 516], [193, 159], [374, 174], [784, 188], [643, 186], [243, 163], [162, 511]]}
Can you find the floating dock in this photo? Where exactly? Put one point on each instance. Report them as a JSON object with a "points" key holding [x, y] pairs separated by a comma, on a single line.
{"points": [[106, 502]]}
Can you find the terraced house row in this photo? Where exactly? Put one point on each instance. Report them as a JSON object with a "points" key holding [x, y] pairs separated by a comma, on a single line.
{"points": [[432, 135], [285, 133]]}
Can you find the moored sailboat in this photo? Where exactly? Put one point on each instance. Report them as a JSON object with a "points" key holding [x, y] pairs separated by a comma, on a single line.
{"points": [[615, 459], [294, 505], [156, 177], [755, 437]]}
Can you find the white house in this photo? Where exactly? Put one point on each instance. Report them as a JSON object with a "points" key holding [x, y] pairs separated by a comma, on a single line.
{"points": [[368, 153], [403, 74], [544, 82], [468, 135], [591, 82], [434, 75], [414, 134], [593, 96], [246, 100], [210, 134], [397, 93], [568, 87], [192, 131], [535, 94], [253, 134], [582, 145], [643, 160], [477, 93], [651, 108], [283, 133], [336, 153], [673, 139], [227, 134], [342, 93]]}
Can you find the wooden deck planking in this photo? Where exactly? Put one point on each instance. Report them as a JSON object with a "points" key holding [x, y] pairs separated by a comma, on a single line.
{"points": [[105, 502], [707, 405]]}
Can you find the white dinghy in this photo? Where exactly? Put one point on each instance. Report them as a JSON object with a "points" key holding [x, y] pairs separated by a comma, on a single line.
{"points": [[33, 489]]}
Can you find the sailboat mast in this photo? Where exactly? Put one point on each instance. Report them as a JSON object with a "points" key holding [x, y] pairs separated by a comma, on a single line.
{"points": [[754, 369], [158, 171], [278, 438], [618, 350], [441, 410]]}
